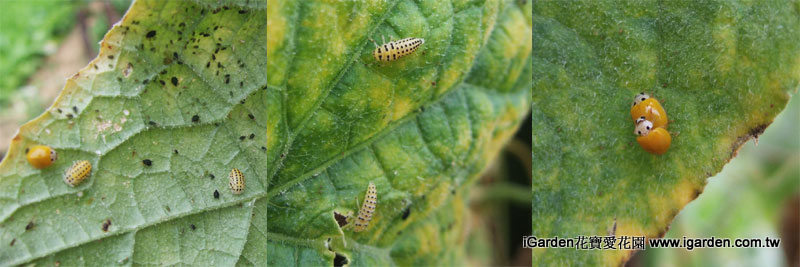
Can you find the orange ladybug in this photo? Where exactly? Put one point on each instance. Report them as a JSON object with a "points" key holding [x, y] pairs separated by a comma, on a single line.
{"points": [[653, 140], [41, 157], [649, 108]]}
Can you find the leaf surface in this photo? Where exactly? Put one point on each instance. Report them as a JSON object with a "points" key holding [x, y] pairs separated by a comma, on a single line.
{"points": [[722, 70], [181, 84], [421, 128]]}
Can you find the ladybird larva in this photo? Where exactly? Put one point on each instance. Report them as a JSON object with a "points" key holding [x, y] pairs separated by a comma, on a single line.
{"points": [[236, 181], [78, 172], [367, 208], [396, 49]]}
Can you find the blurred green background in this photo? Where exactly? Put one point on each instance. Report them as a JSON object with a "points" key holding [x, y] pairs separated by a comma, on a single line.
{"points": [[755, 196]]}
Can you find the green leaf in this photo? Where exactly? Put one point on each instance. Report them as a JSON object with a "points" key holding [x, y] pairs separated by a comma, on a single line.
{"points": [[421, 128], [721, 69], [175, 82]]}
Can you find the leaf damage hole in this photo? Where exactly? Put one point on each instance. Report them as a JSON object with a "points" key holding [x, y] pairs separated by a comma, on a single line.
{"points": [[340, 219], [339, 260]]}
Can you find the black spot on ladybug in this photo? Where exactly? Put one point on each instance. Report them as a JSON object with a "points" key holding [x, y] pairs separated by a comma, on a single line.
{"points": [[151, 34], [147, 162]]}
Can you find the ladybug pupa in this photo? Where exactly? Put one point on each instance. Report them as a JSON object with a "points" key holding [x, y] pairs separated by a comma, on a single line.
{"points": [[41, 157]]}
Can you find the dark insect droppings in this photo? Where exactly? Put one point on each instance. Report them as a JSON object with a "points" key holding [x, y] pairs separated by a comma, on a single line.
{"points": [[192, 226], [151, 34], [152, 123], [252, 136], [59, 110], [174, 81], [242, 137], [242, 11], [69, 116], [195, 118], [216, 194], [212, 176], [176, 151], [251, 116], [106, 224], [29, 226], [162, 82], [406, 212], [147, 162], [75, 109]]}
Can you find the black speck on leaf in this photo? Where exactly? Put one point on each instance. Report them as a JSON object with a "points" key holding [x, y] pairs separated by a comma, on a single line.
{"points": [[174, 81], [195, 118], [147, 162], [151, 34]]}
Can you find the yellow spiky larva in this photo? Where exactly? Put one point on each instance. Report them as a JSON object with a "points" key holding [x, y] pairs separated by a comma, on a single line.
{"points": [[367, 208], [78, 172], [396, 49], [236, 181]]}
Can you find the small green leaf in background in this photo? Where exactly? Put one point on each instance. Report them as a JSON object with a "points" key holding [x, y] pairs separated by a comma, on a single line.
{"points": [[179, 83], [722, 69], [422, 128]]}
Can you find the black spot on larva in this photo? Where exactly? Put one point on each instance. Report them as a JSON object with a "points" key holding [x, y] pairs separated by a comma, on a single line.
{"points": [[12, 242], [195, 118], [648, 127], [192, 226], [174, 81], [251, 116], [216, 194], [151, 34], [252, 136], [29, 226], [110, 56], [406, 212], [339, 260], [147, 162], [106, 224], [242, 137]]}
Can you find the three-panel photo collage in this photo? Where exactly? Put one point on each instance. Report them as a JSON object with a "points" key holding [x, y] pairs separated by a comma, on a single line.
{"points": [[399, 133]]}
